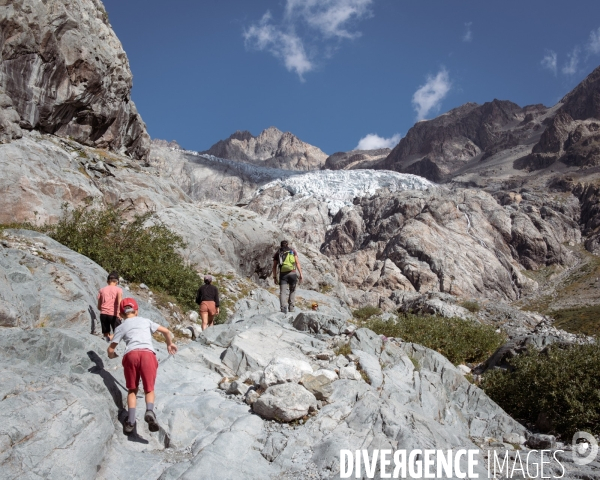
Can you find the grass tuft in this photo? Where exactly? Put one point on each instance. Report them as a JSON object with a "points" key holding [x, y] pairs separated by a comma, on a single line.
{"points": [[471, 306], [343, 350]]}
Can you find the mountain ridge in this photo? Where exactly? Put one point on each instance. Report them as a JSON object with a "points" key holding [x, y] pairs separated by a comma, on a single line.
{"points": [[270, 148]]}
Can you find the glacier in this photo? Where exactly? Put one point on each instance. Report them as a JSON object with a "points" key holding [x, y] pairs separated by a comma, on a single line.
{"points": [[337, 188]]}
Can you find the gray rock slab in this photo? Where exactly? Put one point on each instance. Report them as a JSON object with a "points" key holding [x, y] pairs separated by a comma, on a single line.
{"points": [[75, 41], [370, 365], [57, 420], [367, 341], [256, 347]]}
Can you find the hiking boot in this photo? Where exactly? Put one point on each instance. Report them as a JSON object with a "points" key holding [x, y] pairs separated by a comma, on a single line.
{"points": [[150, 418], [128, 428], [283, 309], [291, 308]]}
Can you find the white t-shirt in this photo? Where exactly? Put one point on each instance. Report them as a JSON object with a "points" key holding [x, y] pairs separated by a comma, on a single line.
{"points": [[137, 333]]}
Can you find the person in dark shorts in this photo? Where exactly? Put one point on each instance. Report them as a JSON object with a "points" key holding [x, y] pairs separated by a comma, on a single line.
{"points": [[139, 361], [290, 273], [208, 299], [109, 299]]}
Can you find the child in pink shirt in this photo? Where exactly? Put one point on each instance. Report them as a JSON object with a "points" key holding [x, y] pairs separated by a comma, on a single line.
{"points": [[109, 299]]}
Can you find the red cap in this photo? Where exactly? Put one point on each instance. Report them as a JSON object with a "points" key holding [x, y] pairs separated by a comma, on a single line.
{"points": [[128, 305]]}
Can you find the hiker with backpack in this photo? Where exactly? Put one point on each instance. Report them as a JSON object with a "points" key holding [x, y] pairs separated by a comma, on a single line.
{"points": [[139, 360], [208, 299], [109, 298], [290, 273]]}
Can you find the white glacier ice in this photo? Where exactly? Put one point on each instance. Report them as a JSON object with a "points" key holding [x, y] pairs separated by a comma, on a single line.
{"points": [[337, 188]]}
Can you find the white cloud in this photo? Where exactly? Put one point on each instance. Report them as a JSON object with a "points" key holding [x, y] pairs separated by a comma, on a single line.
{"points": [[373, 141], [468, 36], [286, 46], [329, 17], [429, 96], [550, 61], [327, 21], [594, 43], [570, 68]]}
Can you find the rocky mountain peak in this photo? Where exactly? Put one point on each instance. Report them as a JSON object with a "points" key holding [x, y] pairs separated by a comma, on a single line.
{"points": [[584, 100], [441, 146], [66, 73], [271, 148], [357, 159], [573, 134], [243, 135]]}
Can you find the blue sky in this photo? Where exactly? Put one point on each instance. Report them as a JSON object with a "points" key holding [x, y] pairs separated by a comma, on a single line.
{"points": [[334, 71]]}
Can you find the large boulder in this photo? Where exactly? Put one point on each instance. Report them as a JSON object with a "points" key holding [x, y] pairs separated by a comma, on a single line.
{"points": [[67, 74], [319, 323], [285, 402], [318, 385], [282, 370]]}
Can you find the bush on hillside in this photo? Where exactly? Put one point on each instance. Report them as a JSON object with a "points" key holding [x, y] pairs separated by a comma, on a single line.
{"points": [[471, 306], [561, 383], [460, 341], [140, 253], [365, 313]]}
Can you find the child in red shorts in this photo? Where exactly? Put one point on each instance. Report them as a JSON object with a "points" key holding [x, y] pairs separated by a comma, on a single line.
{"points": [[139, 360]]}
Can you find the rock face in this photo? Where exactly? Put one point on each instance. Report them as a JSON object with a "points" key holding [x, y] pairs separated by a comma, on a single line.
{"points": [[204, 178], [272, 148], [9, 120], [357, 159], [438, 148], [461, 242], [41, 172], [573, 136], [583, 101], [66, 73]]}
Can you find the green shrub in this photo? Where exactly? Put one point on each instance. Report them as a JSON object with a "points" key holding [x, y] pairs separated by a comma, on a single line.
{"points": [[460, 341], [471, 306], [140, 253], [561, 383], [365, 313], [225, 307]]}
